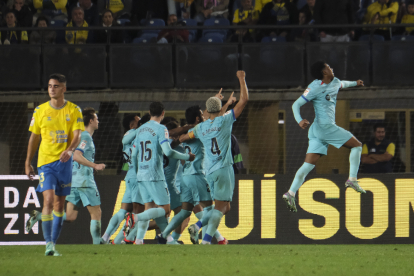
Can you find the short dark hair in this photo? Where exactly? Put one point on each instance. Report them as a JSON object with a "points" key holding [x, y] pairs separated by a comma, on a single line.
{"points": [[106, 11], [168, 119], [316, 69], [42, 18], [126, 122], [11, 11], [171, 125], [88, 114], [144, 119], [156, 109], [379, 125], [59, 77], [192, 113]]}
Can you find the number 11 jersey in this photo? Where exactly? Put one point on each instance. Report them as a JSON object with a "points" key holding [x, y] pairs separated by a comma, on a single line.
{"points": [[150, 137], [216, 138]]}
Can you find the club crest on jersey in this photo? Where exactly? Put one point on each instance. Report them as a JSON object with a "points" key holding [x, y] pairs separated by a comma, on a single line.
{"points": [[166, 134], [83, 144], [49, 118], [67, 117], [306, 92], [32, 121], [327, 97]]}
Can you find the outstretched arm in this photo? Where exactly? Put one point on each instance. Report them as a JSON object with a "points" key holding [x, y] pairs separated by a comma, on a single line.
{"points": [[244, 94], [230, 101], [78, 157], [129, 136], [180, 130], [303, 123], [346, 84], [169, 152]]}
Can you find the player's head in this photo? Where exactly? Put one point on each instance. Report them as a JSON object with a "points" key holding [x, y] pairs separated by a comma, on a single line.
{"points": [[90, 119], [410, 7], [194, 115], [168, 119], [157, 109], [213, 105], [172, 125], [379, 132], [321, 69], [130, 122], [144, 119], [56, 86]]}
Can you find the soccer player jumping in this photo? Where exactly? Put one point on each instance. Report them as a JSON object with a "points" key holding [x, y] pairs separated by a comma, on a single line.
{"points": [[59, 123], [322, 92]]}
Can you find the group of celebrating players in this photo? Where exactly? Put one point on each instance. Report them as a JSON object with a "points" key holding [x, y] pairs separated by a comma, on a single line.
{"points": [[161, 154]]}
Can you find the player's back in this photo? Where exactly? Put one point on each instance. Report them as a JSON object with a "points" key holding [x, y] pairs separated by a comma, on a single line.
{"points": [[149, 138], [216, 138], [196, 147], [323, 96], [56, 126], [82, 176], [171, 165]]}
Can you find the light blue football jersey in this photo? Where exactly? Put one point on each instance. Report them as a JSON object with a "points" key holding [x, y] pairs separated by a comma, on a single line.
{"points": [[216, 138], [127, 146], [171, 165], [323, 97], [194, 146], [150, 136], [82, 176]]}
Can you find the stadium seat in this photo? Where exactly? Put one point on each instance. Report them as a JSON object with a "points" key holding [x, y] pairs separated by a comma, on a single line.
{"points": [[149, 36], [214, 39], [216, 22], [273, 39], [402, 38], [193, 32], [60, 35], [123, 21], [141, 40], [152, 23], [215, 34], [374, 38]]}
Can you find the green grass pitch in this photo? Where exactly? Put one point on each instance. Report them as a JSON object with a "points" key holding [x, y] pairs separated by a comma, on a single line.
{"points": [[209, 260]]}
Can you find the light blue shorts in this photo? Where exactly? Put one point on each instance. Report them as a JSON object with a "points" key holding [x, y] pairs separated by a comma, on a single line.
{"points": [[131, 192], [154, 191], [82, 197], [222, 181], [196, 185], [174, 196], [321, 137]]}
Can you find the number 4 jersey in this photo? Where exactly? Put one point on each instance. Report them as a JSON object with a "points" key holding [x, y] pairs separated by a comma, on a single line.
{"points": [[216, 138], [150, 137]]}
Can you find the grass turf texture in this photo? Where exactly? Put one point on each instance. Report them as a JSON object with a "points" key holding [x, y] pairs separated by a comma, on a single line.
{"points": [[209, 260]]}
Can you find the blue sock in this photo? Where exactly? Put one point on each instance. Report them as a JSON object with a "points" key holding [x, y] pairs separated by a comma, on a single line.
{"points": [[47, 223], [175, 235], [175, 222], [114, 223], [96, 231], [300, 176], [354, 159], [120, 237], [213, 225], [142, 229], [199, 215], [162, 223], [57, 225], [152, 213]]}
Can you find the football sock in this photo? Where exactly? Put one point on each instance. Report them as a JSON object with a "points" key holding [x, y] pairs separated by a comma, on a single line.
{"points": [[57, 225], [142, 229], [47, 222], [120, 237], [354, 159], [206, 217], [218, 236], [114, 224], [152, 213], [96, 231], [199, 215], [176, 236], [213, 225], [162, 222], [175, 222], [300, 177]]}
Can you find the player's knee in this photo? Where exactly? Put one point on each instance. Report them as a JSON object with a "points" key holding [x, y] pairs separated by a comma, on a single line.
{"points": [[48, 202]]}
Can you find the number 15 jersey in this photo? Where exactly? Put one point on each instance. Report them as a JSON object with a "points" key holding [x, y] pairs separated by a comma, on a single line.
{"points": [[150, 137], [216, 138]]}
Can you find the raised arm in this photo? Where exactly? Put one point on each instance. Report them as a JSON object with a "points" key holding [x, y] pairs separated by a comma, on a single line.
{"points": [[169, 152], [67, 154], [180, 130], [303, 123], [244, 94], [346, 84], [129, 136], [230, 101], [32, 147], [78, 157]]}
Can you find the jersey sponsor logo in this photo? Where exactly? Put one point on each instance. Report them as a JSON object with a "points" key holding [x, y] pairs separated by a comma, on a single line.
{"points": [[32, 122], [79, 120], [83, 144], [67, 117], [65, 185], [166, 133], [306, 92], [49, 118]]}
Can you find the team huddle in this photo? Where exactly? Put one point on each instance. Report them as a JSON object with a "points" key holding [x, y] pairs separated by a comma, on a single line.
{"points": [[185, 169]]}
